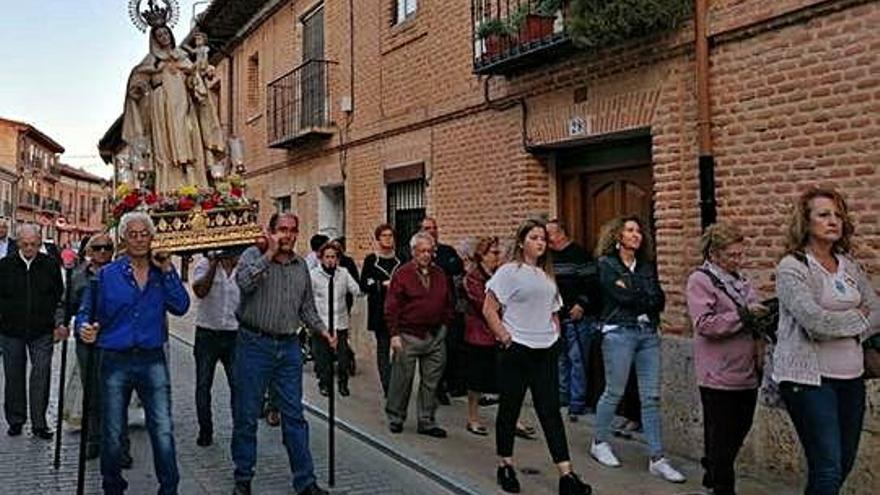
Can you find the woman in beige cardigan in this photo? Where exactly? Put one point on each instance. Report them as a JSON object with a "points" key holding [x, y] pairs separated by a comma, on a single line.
{"points": [[827, 308]]}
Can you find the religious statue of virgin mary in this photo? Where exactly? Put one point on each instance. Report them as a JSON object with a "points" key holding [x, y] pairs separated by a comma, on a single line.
{"points": [[163, 109]]}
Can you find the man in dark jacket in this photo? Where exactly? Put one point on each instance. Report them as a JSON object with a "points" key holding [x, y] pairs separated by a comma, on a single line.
{"points": [[578, 284], [31, 321]]}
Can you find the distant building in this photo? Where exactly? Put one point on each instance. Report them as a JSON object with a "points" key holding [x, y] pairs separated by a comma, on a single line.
{"points": [[84, 201], [29, 175]]}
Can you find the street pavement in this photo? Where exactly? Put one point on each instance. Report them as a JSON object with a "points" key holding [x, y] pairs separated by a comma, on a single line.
{"points": [[26, 463]]}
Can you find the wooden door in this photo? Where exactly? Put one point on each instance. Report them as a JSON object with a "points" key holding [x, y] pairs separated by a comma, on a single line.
{"points": [[614, 193], [600, 183]]}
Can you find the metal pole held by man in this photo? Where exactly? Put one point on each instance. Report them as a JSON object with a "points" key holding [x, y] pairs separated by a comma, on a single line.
{"points": [[68, 276]]}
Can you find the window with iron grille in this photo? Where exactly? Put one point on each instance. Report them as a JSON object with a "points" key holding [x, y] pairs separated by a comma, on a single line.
{"points": [[405, 10], [406, 210]]}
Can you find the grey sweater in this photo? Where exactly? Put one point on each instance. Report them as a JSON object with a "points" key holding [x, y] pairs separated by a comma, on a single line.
{"points": [[804, 324]]}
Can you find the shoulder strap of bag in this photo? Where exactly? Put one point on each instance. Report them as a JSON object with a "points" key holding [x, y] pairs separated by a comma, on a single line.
{"points": [[720, 286]]}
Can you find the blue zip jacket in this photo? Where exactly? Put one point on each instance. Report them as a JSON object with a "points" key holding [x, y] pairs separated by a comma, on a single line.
{"points": [[131, 317]]}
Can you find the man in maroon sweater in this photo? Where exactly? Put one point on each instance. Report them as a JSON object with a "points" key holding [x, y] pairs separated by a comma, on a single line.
{"points": [[418, 309]]}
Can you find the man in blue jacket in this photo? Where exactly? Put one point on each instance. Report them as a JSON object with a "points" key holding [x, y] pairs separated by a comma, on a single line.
{"points": [[123, 313]]}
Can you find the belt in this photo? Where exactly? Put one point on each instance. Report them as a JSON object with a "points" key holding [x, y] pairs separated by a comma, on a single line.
{"points": [[273, 336]]}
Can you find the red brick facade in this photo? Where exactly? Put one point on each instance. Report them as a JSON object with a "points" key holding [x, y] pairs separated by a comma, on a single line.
{"points": [[795, 99]]}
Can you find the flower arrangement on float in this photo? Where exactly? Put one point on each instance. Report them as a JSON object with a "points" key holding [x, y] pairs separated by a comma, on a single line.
{"points": [[227, 194]]}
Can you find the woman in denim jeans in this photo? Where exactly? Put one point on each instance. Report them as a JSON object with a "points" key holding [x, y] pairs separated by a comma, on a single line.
{"points": [[827, 308], [631, 304]]}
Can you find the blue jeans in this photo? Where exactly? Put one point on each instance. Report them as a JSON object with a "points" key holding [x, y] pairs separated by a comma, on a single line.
{"points": [[574, 363], [261, 360], [828, 420], [146, 372], [621, 347]]}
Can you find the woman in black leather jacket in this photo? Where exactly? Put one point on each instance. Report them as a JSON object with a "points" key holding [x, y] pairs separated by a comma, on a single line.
{"points": [[631, 304]]}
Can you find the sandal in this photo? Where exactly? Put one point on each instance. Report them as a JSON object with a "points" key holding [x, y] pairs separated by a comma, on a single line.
{"points": [[477, 429]]}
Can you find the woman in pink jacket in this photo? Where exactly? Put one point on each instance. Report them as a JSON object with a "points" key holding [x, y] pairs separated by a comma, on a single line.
{"points": [[719, 300]]}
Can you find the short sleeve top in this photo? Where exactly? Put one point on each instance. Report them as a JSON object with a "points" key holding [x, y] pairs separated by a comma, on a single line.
{"points": [[528, 298]]}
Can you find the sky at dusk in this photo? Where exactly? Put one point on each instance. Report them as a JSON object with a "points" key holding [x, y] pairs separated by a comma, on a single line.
{"points": [[64, 65]]}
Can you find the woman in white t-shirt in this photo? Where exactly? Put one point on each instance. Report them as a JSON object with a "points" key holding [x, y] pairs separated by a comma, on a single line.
{"points": [[520, 308]]}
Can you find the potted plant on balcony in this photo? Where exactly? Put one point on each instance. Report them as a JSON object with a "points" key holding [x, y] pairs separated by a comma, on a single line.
{"points": [[537, 24], [495, 34]]}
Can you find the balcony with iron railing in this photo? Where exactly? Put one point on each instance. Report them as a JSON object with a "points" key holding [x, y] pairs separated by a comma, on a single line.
{"points": [[51, 205], [28, 200], [298, 105], [510, 35]]}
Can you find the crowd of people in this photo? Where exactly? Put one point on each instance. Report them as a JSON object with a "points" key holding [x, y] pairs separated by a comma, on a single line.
{"points": [[576, 329]]}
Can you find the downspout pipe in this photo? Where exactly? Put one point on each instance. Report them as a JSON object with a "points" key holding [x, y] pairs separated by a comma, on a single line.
{"points": [[706, 161]]}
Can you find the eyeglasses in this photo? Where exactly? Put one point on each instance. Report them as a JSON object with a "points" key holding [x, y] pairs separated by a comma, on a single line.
{"points": [[103, 247]]}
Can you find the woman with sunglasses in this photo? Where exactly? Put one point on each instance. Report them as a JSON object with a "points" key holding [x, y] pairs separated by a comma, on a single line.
{"points": [[99, 252]]}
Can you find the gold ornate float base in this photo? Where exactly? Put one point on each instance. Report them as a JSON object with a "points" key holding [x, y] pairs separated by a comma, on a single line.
{"points": [[199, 230]]}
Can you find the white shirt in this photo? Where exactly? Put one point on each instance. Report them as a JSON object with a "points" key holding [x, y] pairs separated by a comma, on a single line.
{"points": [[528, 298], [4, 247], [343, 283], [27, 262], [217, 309]]}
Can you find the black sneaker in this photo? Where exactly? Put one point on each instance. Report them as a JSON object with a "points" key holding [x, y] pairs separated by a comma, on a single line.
{"points": [[324, 390], [42, 433], [433, 431], [570, 484], [242, 488], [507, 479], [14, 430], [313, 489], [443, 398], [343, 389], [395, 427]]}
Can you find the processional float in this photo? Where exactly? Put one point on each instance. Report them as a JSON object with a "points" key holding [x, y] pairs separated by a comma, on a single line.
{"points": [[178, 163]]}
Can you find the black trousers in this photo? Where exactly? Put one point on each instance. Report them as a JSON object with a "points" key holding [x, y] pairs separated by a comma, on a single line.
{"points": [[383, 358], [211, 346], [727, 419], [324, 358], [453, 381], [19, 387], [521, 368]]}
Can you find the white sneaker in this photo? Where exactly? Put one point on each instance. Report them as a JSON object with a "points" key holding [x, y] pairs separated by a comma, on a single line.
{"points": [[663, 469], [601, 451]]}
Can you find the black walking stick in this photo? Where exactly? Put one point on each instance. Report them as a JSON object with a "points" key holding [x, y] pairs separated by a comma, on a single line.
{"points": [[62, 375], [331, 404], [87, 394]]}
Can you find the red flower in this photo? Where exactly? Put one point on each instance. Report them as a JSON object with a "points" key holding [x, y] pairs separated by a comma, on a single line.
{"points": [[235, 192], [208, 204], [131, 201], [151, 198], [185, 203]]}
